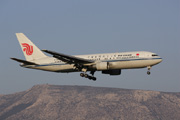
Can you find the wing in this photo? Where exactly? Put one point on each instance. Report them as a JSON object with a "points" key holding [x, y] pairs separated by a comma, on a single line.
{"points": [[24, 61], [68, 58]]}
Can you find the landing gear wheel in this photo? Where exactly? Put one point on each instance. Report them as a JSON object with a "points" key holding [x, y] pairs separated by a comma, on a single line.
{"points": [[94, 78], [149, 68], [90, 78], [86, 76], [82, 74]]}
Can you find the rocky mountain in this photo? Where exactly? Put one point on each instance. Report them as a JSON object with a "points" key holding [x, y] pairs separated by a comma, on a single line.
{"points": [[54, 102]]}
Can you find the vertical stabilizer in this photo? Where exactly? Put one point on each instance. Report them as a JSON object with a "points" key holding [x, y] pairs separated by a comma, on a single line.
{"points": [[30, 50]]}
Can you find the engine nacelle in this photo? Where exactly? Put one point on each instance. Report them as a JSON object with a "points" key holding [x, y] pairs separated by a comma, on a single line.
{"points": [[102, 66], [111, 72]]}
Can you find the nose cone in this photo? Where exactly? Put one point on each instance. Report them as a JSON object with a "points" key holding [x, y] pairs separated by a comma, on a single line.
{"points": [[159, 60]]}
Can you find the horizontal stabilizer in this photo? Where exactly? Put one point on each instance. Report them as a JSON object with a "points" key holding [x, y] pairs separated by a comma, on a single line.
{"points": [[24, 61]]}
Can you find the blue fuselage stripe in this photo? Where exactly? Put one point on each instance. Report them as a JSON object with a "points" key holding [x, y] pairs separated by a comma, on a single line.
{"points": [[117, 60]]}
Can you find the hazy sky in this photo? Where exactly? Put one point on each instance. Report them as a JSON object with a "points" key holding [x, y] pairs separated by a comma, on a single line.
{"points": [[92, 26]]}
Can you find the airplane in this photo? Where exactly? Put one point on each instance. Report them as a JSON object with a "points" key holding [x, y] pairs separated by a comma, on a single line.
{"points": [[108, 63]]}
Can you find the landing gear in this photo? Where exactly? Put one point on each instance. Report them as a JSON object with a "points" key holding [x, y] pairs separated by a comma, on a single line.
{"points": [[87, 76], [149, 68], [82, 74]]}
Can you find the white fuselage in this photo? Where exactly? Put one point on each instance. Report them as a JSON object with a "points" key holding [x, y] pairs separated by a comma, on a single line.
{"points": [[123, 60], [109, 63]]}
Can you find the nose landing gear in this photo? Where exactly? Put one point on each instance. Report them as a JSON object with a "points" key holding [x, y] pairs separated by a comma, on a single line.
{"points": [[149, 68]]}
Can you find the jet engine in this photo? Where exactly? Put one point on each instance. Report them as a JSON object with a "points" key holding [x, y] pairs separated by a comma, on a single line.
{"points": [[112, 72]]}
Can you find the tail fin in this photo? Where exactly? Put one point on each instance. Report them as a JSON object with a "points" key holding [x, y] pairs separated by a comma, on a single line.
{"points": [[31, 51]]}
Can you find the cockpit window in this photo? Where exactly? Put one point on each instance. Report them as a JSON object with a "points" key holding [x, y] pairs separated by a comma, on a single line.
{"points": [[154, 55]]}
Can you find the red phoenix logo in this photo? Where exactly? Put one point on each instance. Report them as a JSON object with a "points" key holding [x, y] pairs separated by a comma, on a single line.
{"points": [[27, 48]]}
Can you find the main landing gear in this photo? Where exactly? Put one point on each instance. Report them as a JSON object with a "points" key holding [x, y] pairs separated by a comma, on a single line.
{"points": [[149, 68], [88, 76]]}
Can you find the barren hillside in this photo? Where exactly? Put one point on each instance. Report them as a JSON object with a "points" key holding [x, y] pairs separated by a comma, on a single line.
{"points": [[53, 102]]}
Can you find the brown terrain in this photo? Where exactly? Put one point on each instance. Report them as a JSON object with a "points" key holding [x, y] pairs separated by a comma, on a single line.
{"points": [[54, 102]]}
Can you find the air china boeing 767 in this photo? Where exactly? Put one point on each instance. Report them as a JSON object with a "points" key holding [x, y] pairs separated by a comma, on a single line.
{"points": [[109, 63]]}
